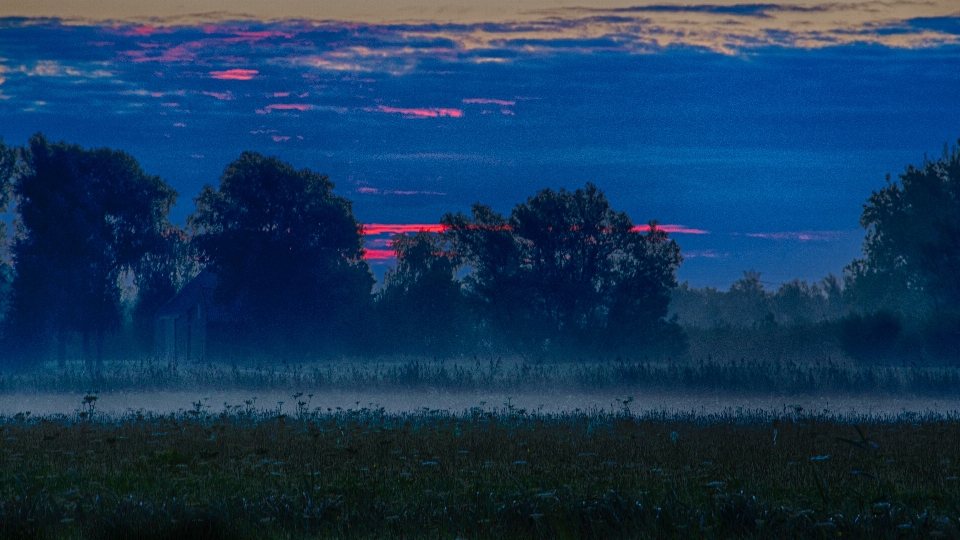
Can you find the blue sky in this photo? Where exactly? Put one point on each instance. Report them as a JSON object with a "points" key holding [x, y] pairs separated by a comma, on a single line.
{"points": [[769, 139]]}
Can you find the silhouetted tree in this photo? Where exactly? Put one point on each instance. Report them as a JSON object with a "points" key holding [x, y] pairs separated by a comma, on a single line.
{"points": [[9, 164], [420, 306], [911, 260], [567, 269], [288, 254], [85, 218]]}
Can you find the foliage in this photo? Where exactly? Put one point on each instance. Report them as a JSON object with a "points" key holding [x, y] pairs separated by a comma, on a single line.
{"points": [[911, 260], [288, 254], [420, 306], [10, 164], [85, 218], [567, 269], [748, 304]]}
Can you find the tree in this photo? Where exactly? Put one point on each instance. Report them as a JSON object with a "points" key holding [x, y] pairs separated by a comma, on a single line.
{"points": [[288, 254], [421, 307], [911, 260], [10, 163], [85, 218], [566, 268]]}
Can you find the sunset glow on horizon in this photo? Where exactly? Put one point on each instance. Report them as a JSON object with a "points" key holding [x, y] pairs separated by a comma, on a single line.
{"points": [[767, 125]]}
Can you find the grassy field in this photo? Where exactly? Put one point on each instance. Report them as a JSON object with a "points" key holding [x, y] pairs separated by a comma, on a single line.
{"points": [[814, 376], [502, 473]]}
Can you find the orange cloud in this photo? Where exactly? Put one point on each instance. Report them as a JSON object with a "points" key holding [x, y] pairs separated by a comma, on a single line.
{"points": [[418, 113], [234, 74]]}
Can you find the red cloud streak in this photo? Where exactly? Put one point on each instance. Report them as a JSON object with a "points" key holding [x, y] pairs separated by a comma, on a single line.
{"points": [[234, 74], [374, 229], [420, 113]]}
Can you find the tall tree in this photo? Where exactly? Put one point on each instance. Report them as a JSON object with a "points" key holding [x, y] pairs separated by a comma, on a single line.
{"points": [[288, 254], [911, 252], [10, 163], [85, 217], [421, 307], [566, 268]]}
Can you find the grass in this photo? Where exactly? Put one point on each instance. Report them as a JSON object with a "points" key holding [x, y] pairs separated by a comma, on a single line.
{"points": [[503, 473], [738, 376]]}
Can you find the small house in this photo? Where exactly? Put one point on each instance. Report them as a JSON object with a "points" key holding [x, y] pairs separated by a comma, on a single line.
{"points": [[189, 326]]}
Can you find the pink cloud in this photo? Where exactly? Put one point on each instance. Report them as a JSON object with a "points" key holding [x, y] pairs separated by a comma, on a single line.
{"points": [[179, 124], [142, 31], [180, 53], [507, 112], [284, 107], [280, 138], [281, 94], [222, 96], [234, 74], [398, 228], [418, 113], [378, 254], [401, 228], [485, 101]]}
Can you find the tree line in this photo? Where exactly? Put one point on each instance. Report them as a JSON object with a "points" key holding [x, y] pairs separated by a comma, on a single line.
{"points": [[92, 255]]}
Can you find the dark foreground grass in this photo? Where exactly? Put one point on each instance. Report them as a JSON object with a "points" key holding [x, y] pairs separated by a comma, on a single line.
{"points": [[479, 474]]}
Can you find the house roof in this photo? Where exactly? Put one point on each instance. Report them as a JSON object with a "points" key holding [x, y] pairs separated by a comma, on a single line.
{"points": [[198, 290]]}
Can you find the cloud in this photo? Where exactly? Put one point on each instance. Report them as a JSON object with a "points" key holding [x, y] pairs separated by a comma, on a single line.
{"points": [[704, 254], [374, 229], [485, 101], [280, 138], [53, 68], [234, 74], [378, 254], [800, 236], [418, 113], [374, 191], [284, 107], [222, 96], [397, 228]]}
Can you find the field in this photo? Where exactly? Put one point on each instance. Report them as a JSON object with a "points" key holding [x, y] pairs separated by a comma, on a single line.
{"points": [[483, 473]]}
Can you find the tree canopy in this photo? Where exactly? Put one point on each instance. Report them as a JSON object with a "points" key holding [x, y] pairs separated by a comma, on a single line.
{"points": [[288, 254], [85, 217], [565, 267], [912, 248]]}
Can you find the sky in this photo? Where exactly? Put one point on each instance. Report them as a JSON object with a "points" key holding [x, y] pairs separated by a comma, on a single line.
{"points": [[755, 131]]}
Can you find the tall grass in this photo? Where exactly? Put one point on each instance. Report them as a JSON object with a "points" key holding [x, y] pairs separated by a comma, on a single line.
{"points": [[505, 473], [740, 377]]}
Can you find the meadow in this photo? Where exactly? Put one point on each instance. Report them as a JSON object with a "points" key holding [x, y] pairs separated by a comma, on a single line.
{"points": [[304, 467], [482, 473]]}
